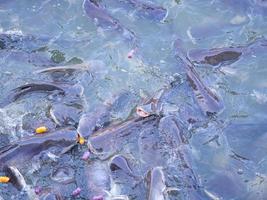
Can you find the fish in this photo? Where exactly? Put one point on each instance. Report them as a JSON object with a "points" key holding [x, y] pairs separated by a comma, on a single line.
{"points": [[23, 150], [173, 137], [208, 101], [23, 90], [31, 43], [98, 179], [156, 184], [154, 106], [65, 115], [215, 57], [93, 121], [107, 141], [95, 65], [116, 109], [19, 182], [225, 55], [119, 162], [95, 11], [148, 9]]}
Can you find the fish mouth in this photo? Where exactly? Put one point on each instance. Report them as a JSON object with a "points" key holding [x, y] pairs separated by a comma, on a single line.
{"points": [[140, 111]]}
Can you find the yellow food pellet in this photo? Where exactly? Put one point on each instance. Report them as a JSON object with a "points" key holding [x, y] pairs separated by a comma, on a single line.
{"points": [[81, 140], [41, 129], [4, 179]]}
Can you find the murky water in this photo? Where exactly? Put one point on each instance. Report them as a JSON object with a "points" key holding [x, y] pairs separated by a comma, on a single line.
{"points": [[127, 61]]}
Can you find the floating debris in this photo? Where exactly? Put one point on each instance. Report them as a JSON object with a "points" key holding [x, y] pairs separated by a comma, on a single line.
{"points": [[76, 192], [131, 53], [100, 197], [86, 155]]}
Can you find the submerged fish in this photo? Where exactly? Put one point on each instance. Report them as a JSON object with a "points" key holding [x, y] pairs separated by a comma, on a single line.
{"points": [[225, 55], [206, 98], [108, 140], [21, 91], [95, 11], [19, 182], [24, 149], [148, 9], [119, 162], [156, 184]]}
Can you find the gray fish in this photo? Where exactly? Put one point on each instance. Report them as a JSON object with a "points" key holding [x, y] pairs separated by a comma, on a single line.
{"points": [[17, 179], [215, 57], [21, 91], [148, 10], [24, 149], [153, 105], [65, 115], [156, 184], [208, 101], [117, 109], [119, 162], [95, 11], [93, 121], [225, 55], [110, 139]]}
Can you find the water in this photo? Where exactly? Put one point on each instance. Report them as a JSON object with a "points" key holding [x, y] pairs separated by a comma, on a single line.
{"points": [[228, 156]]}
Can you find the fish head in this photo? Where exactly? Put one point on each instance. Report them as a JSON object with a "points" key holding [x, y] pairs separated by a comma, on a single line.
{"points": [[146, 110]]}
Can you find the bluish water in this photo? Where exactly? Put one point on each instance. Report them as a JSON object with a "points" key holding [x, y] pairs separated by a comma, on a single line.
{"points": [[228, 153]]}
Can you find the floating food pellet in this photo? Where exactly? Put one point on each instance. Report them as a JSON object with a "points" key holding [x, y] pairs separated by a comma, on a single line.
{"points": [[41, 129], [4, 179], [80, 139]]}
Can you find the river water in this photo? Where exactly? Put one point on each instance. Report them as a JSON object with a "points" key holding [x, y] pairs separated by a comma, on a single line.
{"points": [[228, 153]]}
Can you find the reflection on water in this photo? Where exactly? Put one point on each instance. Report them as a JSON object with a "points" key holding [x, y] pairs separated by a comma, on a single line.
{"points": [[61, 60]]}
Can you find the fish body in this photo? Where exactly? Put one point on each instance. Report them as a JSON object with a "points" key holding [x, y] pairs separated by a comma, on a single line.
{"points": [[21, 91], [95, 11], [156, 184], [19, 182], [148, 9], [208, 101], [24, 149]]}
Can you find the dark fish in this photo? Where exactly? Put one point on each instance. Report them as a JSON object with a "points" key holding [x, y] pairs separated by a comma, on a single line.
{"points": [[17, 179], [110, 139], [175, 141], [215, 57], [24, 149], [93, 121], [156, 184], [225, 55], [65, 115], [31, 43], [20, 42], [119, 162], [207, 99], [122, 106], [95, 11], [21, 91], [117, 109], [148, 10], [153, 106]]}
